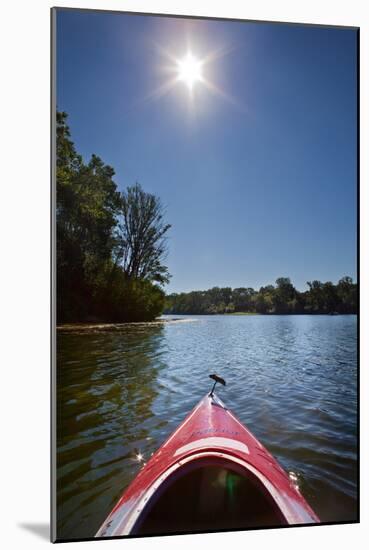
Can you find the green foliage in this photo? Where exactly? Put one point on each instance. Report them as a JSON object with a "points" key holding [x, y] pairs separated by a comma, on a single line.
{"points": [[284, 296], [92, 280], [141, 242], [111, 246], [118, 299], [280, 299]]}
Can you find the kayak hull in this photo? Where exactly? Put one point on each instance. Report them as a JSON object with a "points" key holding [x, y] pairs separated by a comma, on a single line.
{"points": [[210, 441]]}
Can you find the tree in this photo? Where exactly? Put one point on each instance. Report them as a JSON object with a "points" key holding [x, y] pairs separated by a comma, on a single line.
{"points": [[284, 298], [315, 297], [87, 203], [243, 298], [283, 295], [330, 297], [141, 236], [347, 292], [91, 283]]}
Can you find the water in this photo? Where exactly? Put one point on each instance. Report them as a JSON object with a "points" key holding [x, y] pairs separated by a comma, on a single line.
{"points": [[290, 379]]}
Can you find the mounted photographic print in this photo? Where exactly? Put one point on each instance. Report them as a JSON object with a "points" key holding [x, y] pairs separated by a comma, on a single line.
{"points": [[204, 323]]}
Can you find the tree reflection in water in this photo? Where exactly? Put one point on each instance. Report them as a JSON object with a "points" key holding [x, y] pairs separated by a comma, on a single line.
{"points": [[106, 385]]}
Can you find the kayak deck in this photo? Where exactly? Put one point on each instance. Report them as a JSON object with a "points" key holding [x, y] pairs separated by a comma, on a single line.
{"points": [[210, 474]]}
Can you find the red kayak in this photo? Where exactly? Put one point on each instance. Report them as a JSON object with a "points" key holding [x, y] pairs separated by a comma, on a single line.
{"points": [[211, 474]]}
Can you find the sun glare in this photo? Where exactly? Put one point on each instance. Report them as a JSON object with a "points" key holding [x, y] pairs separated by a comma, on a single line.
{"points": [[189, 70]]}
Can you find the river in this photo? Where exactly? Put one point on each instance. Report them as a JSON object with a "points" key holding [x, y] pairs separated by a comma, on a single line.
{"points": [[291, 379]]}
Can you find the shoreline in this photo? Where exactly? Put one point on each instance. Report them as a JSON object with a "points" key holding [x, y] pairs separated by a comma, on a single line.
{"points": [[238, 313], [106, 327], [188, 317]]}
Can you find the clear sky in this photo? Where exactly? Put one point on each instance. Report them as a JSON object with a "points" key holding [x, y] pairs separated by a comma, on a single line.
{"points": [[256, 168]]}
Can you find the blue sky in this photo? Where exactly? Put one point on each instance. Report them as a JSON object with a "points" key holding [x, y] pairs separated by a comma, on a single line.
{"points": [[258, 173]]}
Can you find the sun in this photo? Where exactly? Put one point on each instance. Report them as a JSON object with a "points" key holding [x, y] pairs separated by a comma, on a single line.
{"points": [[189, 70], [193, 72]]}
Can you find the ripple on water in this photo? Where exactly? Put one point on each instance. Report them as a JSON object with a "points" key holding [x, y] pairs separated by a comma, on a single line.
{"points": [[122, 391]]}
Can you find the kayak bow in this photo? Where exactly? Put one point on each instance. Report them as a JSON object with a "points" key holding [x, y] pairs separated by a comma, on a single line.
{"points": [[210, 474]]}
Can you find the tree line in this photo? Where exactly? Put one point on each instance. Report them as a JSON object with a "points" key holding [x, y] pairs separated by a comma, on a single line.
{"points": [[281, 298], [111, 248], [110, 244]]}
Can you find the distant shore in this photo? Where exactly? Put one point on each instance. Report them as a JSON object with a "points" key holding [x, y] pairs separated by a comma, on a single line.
{"points": [[242, 313], [282, 298], [268, 314]]}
